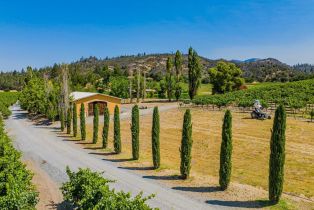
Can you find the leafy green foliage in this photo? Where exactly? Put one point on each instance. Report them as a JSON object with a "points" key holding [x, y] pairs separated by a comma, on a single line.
{"points": [[155, 138], [116, 131], [277, 155], [135, 130], [225, 77], [95, 123], [74, 120], [119, 86], [7, 99], [186, 145], [105, 130], [40, 97], [82, 122], [89, 190], [226, 152], [195, 72], [16, 188]]}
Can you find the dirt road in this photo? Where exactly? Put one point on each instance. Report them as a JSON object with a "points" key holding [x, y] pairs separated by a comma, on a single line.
{"points": [[41, 145]]}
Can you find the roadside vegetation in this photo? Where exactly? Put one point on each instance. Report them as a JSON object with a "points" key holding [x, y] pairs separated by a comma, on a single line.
{"points": [[7, 99]]}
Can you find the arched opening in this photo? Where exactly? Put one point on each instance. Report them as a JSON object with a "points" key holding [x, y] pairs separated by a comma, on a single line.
{"points": [[101, 106]]}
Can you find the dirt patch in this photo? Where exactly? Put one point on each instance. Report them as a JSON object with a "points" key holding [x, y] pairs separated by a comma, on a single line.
{"points": [[50, 196]]}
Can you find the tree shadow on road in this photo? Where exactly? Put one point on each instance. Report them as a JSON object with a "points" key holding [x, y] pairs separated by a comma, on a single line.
{"points": [[102, 153], [93, 148], [198, 189], [241, 204], [144, 168], [118, 160], [167, 177]]}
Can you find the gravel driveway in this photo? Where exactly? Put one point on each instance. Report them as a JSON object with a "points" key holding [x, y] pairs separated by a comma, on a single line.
{"points": [[40, 144]]}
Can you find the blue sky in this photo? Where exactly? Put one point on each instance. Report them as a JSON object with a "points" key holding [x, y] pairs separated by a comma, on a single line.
{"points": [[40, 33]]}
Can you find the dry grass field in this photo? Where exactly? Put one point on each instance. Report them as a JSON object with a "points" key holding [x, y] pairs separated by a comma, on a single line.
{"points": [[250, 152]]}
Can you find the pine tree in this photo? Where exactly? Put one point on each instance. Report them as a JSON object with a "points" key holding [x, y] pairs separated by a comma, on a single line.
{"points": [[116, 131], [277, 155], [186, 145], [69, 120], [62, 120], [82, 122], [155, 139], [105, 130], [194, 72], [135, 132], [96, 124], [74, 120], [226, 152]]}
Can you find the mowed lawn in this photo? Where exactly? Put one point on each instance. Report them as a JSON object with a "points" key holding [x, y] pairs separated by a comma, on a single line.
{"points": [[250, 147]]}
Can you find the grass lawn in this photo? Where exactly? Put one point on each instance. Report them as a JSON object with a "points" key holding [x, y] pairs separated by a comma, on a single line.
{"points": [[250, 151]]}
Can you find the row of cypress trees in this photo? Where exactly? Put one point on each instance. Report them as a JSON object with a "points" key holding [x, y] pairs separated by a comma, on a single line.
{"points": [[277, 143]]}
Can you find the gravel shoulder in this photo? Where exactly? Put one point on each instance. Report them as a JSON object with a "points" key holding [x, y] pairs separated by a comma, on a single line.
{"points": [[52, 153]]}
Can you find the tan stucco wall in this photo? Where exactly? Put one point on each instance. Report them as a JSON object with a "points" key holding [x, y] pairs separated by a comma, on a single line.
{"points": [[111, 103]]}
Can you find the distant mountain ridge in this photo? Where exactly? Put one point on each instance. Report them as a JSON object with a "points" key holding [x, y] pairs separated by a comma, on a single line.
{"points": [[254, 69]]}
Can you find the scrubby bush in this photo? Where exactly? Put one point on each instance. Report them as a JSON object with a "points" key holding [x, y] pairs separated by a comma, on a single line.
{"points": [[89, 190]]}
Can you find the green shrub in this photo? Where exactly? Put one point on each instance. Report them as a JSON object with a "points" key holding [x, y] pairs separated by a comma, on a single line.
{"points": [[135, 130], [186, 145], [96, 124], [116, 132], [82, 122], [89, 190], [155, 139], [105, 130], [226, 152], [16, 188], [277, 155]]}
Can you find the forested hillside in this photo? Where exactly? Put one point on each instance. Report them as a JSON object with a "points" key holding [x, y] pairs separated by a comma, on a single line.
{"points": [[87, 71]]}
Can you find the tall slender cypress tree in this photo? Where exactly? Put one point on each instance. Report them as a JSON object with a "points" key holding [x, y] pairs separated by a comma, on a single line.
{"points": [[95, 124], [74, 120], [105, 129], [135, 130], [277, 155], [226, 152], [186, 145], [155, 139], [116, 131], [69, 120], [82, 122], [62, 120]]}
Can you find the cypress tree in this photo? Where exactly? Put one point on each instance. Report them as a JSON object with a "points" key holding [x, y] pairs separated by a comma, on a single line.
{"points": [[135, 132], [82, 122], [155, 139], [277, 155], [116, 131], [186, 145], [96, 124], [69, 120], [105, 129], [74, 120], [62, 120], [226, 152]]}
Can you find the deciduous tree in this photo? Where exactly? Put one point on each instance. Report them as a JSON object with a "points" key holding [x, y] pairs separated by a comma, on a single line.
{"points": [[195, 72]]}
